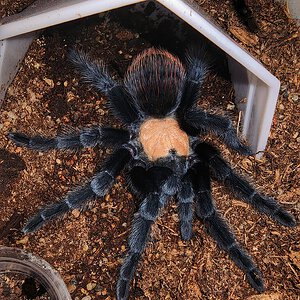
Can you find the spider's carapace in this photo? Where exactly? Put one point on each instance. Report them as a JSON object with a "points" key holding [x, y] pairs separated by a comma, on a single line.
{"points": [[160, 136]]}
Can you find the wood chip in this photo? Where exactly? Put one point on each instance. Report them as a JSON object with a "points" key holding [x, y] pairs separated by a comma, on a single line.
{"points": [[244, 36]]}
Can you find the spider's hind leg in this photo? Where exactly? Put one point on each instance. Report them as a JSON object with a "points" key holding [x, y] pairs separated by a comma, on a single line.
{"points": [[98, 186], [218, 228], [243, 189], [185, 198], [154, 199]]}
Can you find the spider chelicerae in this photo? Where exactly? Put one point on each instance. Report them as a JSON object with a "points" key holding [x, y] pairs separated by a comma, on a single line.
{"points": [[162, 152]]}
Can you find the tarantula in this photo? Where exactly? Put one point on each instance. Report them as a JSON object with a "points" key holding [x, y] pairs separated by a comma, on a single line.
{"points": [[162, 152]]}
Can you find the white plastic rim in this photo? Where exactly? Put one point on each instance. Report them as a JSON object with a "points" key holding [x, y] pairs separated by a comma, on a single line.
{"points": [[54, 12]]}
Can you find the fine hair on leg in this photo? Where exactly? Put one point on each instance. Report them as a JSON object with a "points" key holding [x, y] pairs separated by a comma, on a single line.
{"points": [[222, 171], [97, 186], [220, 126], [218, 228], [73, 139], [95, 73], [154, 200], [185, 202]]}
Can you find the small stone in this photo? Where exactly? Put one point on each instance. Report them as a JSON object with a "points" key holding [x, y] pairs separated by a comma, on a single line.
{"points": [[283, 88], [11, 115], [85, 247], [58, 161], [23, 241], [76, 213], [180, 244], [90, 286], [230, 106], [281, 107], [295, 98], [65, 83], [70, 96], [86, 298]]}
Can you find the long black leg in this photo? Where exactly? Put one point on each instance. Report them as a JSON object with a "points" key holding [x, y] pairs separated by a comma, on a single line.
{"points": [[146, 216], [95, 72], [197, 64], [243, 189], [218, 228], [97, 186], [185, 197], [73, 139], [218, 125]]}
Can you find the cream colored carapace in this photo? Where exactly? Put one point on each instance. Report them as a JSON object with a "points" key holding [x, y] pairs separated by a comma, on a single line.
{"points": [[159, 136]]}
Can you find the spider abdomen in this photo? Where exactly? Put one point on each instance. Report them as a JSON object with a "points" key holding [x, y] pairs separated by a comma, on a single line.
{"points": [[155, 80], [161, 136]]}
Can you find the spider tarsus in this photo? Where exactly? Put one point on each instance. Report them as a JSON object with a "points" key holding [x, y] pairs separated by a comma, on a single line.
{"points": [[186, 230], [33, 224], [45, 215], [285, 218], [255, 279], [34, 143], [122, 289], [19, 138], [244, 150]]}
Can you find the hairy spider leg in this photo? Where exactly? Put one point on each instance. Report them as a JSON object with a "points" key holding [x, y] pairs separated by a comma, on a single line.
{"points": [[153, 201], [185, 202], [217, 227], [197, 64], [97, 186], [241, 188], [95, 73], [218, 125], [73, 139]]}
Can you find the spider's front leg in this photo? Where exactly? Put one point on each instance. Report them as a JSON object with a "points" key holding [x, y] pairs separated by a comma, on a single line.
{"points": [[223, 172], [98, 186], [73, 139], [217, 227], [154, 199]]}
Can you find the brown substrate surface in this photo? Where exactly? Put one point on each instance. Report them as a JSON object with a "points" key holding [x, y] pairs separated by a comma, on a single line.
{"points": [[87, 247]]}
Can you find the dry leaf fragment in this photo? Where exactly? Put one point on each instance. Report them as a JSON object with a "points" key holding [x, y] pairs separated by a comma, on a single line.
{"points": [[23, 241], [244, 36]]}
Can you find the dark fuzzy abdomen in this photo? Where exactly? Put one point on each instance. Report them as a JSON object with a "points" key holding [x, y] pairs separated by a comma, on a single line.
{"points": [[155, 79]]}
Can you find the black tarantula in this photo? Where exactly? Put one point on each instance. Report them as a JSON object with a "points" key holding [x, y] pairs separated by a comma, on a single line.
{"points": [[163, 155]]}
